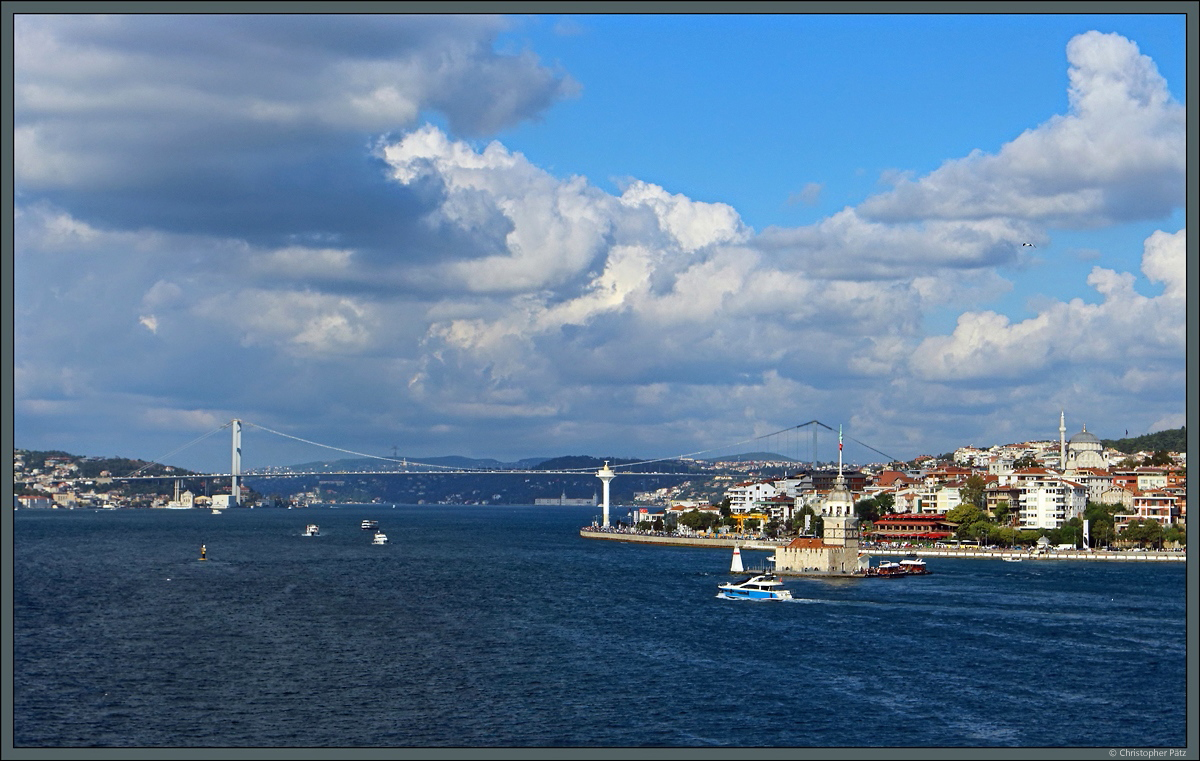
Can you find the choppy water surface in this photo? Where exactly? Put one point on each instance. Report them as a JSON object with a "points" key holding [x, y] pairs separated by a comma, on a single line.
{"points": [[500, 626]]}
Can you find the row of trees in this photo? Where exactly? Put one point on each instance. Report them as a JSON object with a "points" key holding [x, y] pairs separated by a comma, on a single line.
{"points": [[707, 521], [976, 524]]}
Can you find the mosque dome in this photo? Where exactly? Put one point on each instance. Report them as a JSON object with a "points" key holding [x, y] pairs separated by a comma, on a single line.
{"points": [[1084, 438]]}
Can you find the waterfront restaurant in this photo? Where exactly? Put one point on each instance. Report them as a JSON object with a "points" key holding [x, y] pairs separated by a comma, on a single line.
{"points": [[910, 526]]}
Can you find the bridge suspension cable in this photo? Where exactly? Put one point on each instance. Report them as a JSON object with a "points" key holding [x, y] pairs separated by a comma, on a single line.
{"points": [[405, 461], [180, 449], [748, 441], [357, 454]]}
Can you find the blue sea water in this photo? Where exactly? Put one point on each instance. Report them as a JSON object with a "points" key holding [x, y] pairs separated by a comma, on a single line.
{"points": [[500, 626]]}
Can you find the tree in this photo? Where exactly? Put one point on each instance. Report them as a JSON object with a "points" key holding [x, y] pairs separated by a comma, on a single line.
{"points": [[1001, 512], [1143, 532], [816, 524], [1160, 457], [1174, 535], [965, 514], [1025, 461], [867, 509], [1003, 535], [1071, 532], [972, 491], [1099, 516], [697, 520]]}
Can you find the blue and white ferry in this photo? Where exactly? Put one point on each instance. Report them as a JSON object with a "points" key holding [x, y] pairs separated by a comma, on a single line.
{"points": [[764, 586]]}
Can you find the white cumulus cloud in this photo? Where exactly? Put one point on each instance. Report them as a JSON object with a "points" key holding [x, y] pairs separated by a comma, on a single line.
{"points": [[1125, 326], [1118, 155]]}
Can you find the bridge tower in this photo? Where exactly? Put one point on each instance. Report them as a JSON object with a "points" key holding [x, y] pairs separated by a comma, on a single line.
{"points": [[606, 475], [236, 468]]}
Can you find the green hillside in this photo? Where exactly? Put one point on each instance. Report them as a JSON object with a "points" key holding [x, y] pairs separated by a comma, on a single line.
{"points": [[1172, 441]]}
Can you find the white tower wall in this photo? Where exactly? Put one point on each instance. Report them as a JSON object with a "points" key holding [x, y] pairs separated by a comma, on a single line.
{"points": [[606, 475]]}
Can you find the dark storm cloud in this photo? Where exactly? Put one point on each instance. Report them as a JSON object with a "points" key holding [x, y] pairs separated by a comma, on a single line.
{"points": [[254, 127]]}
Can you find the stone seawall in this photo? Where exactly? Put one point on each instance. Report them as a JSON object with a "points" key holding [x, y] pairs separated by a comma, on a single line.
{"points": [[683, 541], [772, 544], [1163, 556]]}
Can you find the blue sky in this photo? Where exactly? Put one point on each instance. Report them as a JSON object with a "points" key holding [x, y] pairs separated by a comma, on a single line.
{"points": [[616, 235]]}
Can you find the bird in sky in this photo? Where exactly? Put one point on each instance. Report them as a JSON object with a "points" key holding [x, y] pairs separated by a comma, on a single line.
{"points": [[1028, 244]]}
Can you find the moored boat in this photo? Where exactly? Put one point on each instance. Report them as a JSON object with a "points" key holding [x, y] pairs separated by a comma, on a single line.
{"points": [[887, 568], [914, 566], [764, 586]]}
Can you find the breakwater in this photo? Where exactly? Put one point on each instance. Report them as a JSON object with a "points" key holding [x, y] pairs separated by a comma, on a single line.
{"points": [[722, 542], [1114, 555], [725, 542]]}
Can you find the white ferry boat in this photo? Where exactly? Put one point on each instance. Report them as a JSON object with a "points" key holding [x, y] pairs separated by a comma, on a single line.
{"points": [[312, 529], [764, 586], [914, 566], [379, 538], [369, 525]]}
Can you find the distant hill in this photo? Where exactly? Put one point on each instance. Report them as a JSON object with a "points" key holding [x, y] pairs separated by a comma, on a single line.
{"points": [[1172, 441], [451, 461], [753, 457], [585, 462]]}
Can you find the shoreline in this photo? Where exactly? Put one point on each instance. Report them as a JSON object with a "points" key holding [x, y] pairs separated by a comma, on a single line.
{"points": [[772, 544]]}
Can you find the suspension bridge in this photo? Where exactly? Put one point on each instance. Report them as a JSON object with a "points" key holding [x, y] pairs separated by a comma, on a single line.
{"points": [[406, 465], [401, 466]]}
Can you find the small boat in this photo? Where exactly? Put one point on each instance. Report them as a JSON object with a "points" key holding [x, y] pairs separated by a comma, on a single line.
{"points": [[1011, 560], [369, 525], [312, 529], [887, 568], [914, 566], [764, 586], [379, 538], [216, 511]]}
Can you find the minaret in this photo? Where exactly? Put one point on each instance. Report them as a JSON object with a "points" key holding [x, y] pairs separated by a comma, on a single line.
{"points": [[606, 475], [1062, 440]]}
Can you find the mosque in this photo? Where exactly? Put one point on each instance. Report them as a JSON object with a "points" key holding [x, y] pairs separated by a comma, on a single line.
{"points": [[1084, 450]]}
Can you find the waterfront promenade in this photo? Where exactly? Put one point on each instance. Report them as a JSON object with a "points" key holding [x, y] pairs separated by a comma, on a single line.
{"points": [[749, 542]]}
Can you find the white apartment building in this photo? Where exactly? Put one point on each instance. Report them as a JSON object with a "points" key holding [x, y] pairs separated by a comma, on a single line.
{"points": [[937, 498], [744, 496], [1151, 479], [970, 456], [1047, 502]]}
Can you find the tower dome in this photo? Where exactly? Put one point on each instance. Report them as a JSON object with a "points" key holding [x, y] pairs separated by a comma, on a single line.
{"points": [[1084, 450], [1085, 439]]}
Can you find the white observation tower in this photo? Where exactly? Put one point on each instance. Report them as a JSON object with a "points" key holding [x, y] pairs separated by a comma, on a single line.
{"points": [[606, 475]]}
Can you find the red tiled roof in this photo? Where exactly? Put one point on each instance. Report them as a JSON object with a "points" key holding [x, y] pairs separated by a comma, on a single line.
{"points": [[807, 542]]}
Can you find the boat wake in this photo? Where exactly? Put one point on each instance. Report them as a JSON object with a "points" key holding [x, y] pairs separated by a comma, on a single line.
{"points": [[807, 600], [724, 596]]}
